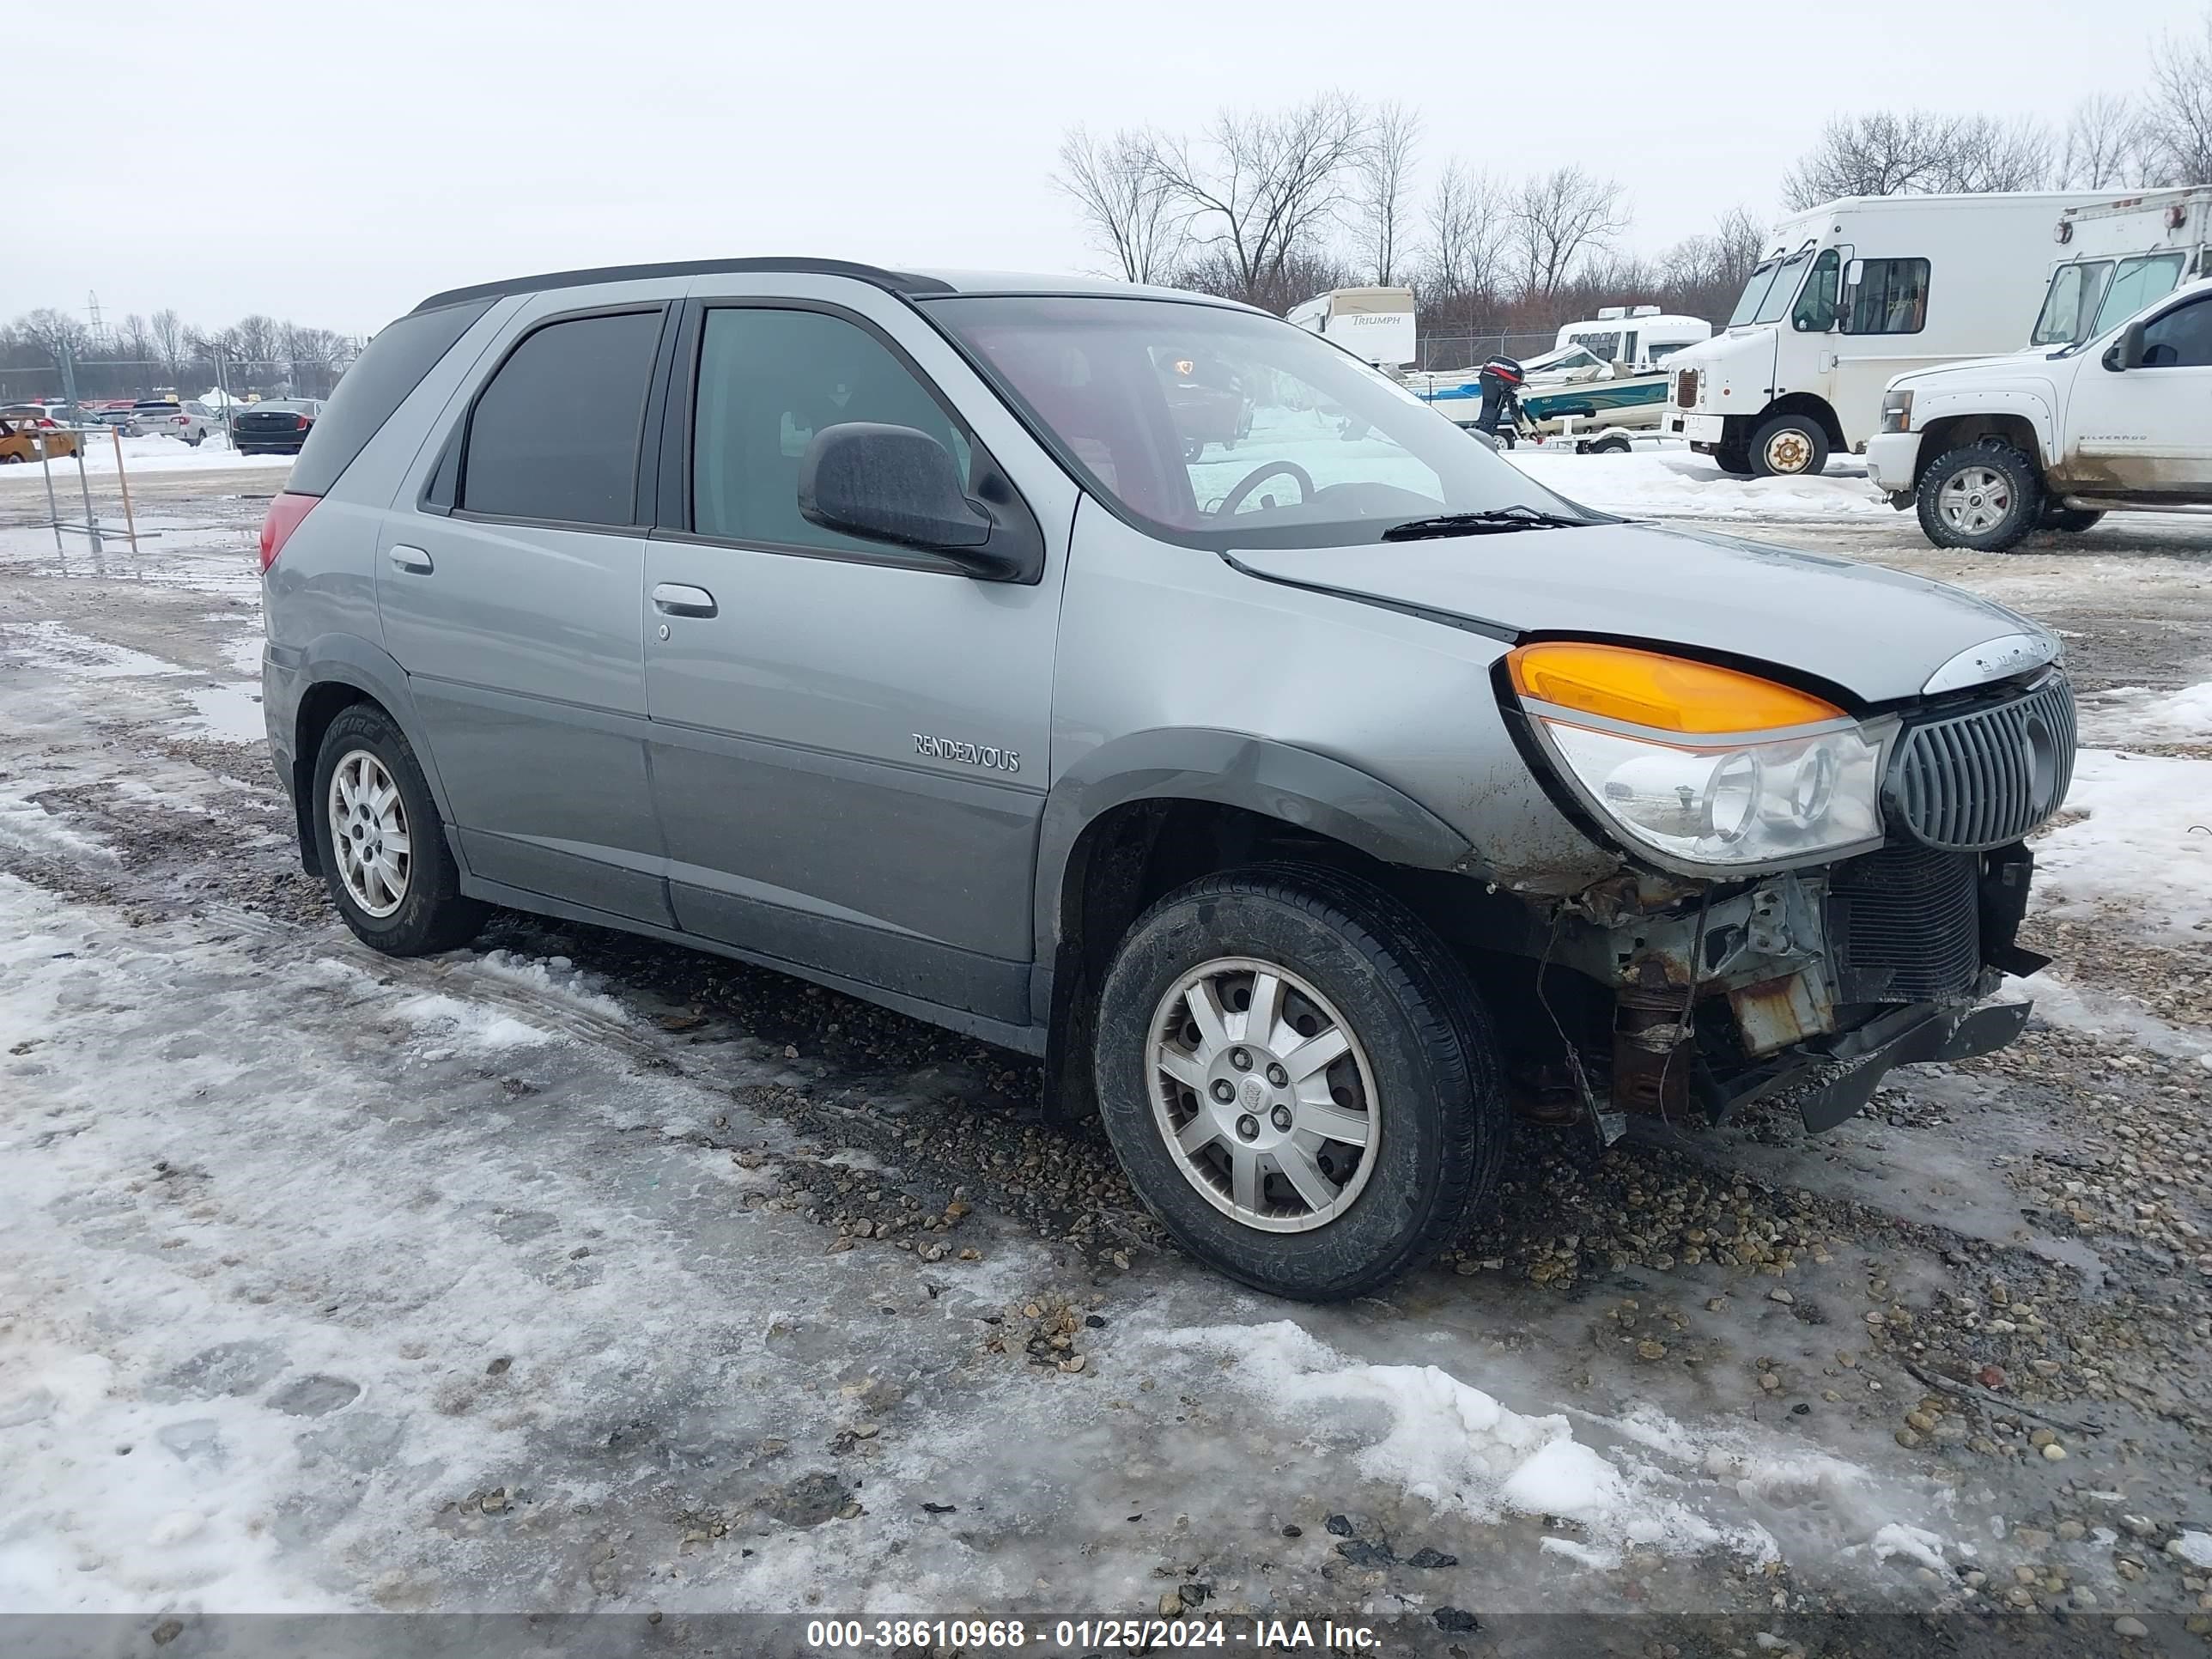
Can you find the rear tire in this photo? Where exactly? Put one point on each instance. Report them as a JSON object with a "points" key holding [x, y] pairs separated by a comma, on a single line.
{"points": [[1789, 447], [1983, 496], [397, 884], [1255, 1185], [1614, 445], [2072, 520]]}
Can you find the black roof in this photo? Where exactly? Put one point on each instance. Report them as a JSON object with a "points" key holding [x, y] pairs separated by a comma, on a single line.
{"points": [[898, 281]]}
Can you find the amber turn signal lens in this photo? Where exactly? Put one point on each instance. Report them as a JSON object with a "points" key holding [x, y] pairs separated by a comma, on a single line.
{"points": [[1665, 694]]}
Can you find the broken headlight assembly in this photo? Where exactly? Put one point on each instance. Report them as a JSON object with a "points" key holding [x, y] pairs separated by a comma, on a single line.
{"points": [[1705, 768]]}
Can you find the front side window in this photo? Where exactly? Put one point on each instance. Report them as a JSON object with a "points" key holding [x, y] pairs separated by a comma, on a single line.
{"points": [[555, 435], [2180, 339], [1666, 350], [770, 380], [1815, 310], [1891, 298], [1222, 428], [2070, 306], [1786, 278], [2137, 282]]}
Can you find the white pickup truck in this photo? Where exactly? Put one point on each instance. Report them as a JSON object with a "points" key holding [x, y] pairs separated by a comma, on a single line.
{"points": [[1993, 449]]}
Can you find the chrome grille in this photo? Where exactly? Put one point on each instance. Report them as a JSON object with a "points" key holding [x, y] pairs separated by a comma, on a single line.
{"points": [[1981, 780], [1686, 388]]}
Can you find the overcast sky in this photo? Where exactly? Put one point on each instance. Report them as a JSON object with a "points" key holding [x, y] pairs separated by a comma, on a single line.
{"points": [[333, 163]]}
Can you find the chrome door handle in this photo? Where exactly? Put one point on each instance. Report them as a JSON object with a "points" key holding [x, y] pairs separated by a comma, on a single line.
{"points": [[680, 600], [412, 559]]}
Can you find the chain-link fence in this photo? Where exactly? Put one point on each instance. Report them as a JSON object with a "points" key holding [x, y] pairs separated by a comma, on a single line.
{"points": [[99, 380], [1441, 353]]}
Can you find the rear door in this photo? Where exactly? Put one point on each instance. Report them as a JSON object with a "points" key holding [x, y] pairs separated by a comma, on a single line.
{"points": [[848, 739], [510, 593]]}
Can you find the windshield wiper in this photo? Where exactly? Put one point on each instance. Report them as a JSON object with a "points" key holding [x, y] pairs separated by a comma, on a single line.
{"points": [[1487, 522]]}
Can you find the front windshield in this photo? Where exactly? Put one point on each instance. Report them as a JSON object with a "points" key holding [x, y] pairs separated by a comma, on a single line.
{"points": [[2137, 282], [1754, 292], [1784, 288], [1223, 428], [2070, 307]]}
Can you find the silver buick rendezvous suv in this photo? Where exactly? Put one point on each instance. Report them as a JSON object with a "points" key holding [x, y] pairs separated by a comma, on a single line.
{"points": [[1131, 679]]}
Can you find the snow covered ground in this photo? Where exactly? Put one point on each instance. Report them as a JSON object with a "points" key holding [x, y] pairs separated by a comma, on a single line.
{"points": [[1668, 479], [152, 454], [534, 1277]]}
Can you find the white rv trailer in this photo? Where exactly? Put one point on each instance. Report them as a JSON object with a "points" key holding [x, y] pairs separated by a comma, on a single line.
{"points": [[1638, 337], [1374, 324], [1849, 296]]}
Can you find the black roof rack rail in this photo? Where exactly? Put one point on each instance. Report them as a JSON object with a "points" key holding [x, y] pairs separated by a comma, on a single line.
{"points": [[898, 281]]}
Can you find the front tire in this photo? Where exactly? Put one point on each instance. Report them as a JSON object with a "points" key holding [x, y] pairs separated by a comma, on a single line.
{"points": [[1983, 496], [381, 844], [1789, 447], [1733, 459], [1298, 1079]]}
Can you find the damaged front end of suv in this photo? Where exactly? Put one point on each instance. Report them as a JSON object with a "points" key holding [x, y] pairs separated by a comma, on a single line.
{"points": [[1809, 896]]}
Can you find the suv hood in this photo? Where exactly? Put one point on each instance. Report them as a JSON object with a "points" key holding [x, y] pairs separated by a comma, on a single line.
{"points": [[1875, 633]]}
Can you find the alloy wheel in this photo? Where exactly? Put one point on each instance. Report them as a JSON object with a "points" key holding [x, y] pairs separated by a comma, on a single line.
{"points": [[368, 833], [1263, 1095], [1975, 499]]}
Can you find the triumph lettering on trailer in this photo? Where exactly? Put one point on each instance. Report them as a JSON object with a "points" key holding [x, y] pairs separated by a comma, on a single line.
{"points": [[968, 753]]}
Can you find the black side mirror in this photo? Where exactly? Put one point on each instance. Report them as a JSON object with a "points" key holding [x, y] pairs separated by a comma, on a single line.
{"points": [[2127, 351], [890, 483]]}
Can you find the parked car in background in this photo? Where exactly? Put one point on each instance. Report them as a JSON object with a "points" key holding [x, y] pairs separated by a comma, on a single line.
{"points": [[22, 438], [279, 426], [192, 422], [1010, 724], [120, 414], [1988, 452]]}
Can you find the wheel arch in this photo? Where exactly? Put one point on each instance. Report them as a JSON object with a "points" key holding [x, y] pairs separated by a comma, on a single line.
{"points": [[1814, 407], [338, 671], [2024, 425], [1153, 809]]}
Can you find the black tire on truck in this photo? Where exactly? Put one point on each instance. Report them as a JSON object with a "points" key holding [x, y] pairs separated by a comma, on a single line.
{"points": [[2073, 520], [1985, 496], [1733, 459], [1789, 447], [1299, 1080]]}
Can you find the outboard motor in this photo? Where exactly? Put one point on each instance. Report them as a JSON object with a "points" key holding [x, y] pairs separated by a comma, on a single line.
{"points": [[1500, 380]]}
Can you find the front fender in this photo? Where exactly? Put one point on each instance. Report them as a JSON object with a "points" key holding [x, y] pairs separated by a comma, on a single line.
{"points": [[2037, 408], [1233, 768]]}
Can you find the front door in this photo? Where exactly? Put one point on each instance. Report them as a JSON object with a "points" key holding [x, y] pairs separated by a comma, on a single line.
{"points": [[848, 739], [517, 611], [2148, 429]]}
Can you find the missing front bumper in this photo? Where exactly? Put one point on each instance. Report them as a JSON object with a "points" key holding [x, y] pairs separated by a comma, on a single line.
{"points": [[1830, 1087]]}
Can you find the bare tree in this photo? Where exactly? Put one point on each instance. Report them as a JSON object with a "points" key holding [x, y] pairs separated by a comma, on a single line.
{"points": [[1702, 275], [1987, 154], [1382, 185], [1887, 153], [2103, 144], [134, 344], [1559, 217], [258, 339], [1261, 187], [56, 333], [1467, 227], [173, 344], [1123, 200], [2177, 116]]}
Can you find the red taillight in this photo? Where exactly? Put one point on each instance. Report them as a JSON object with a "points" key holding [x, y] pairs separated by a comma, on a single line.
{"points": [[286, 512], [304, 423]]}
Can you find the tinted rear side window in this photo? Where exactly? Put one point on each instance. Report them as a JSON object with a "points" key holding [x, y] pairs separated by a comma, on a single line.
{"points": [[555, 435], [393, 365]]}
